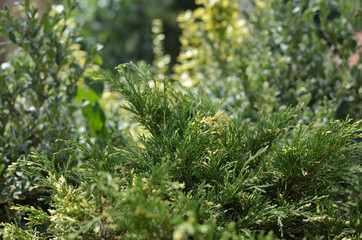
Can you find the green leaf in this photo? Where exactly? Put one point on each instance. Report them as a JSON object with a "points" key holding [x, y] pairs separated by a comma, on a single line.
{"points": [[2, 166], [95, 116], [96, 48], [48, 7], [12, 35], [27, 5], [98, 59], [3, 13], [47, 25], [87, 95], [2, 27], [96, 86], [28, 14], [58, 58]]}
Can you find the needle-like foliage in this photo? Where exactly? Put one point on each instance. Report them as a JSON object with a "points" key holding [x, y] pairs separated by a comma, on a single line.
{"points": [[197, 174]]}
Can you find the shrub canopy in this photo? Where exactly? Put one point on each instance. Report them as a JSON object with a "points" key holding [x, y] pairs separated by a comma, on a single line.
{"points": [[248, 138]]}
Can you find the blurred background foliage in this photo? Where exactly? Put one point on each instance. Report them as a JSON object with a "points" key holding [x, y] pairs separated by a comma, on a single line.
{"points": [[281, 53], [249, 54], [124, 27]]}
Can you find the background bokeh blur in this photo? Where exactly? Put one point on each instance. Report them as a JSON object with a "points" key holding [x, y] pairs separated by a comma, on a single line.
{"points": [[123, 27]]}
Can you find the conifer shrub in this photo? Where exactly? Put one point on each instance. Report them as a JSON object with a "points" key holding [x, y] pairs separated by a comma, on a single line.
{"points": [[198, 174], [248, 167]]}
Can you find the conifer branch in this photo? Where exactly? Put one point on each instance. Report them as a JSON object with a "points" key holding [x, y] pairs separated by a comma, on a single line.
{"points": [[309, 171], [318, 163]]}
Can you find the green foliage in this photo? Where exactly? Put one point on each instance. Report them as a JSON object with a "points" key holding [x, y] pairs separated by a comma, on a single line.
{"points": [[250, 167], [124, 27], [198, 174], [279, 54], [37, 88]]}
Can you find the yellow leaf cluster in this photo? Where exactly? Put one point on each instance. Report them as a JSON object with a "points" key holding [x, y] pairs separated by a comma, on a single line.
{"points": [[210, 35]]}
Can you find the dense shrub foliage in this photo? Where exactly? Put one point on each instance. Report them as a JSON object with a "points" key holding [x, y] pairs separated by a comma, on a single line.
{"points": [[282, 53], [247, 139], [37, 90], [200, 174]]}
